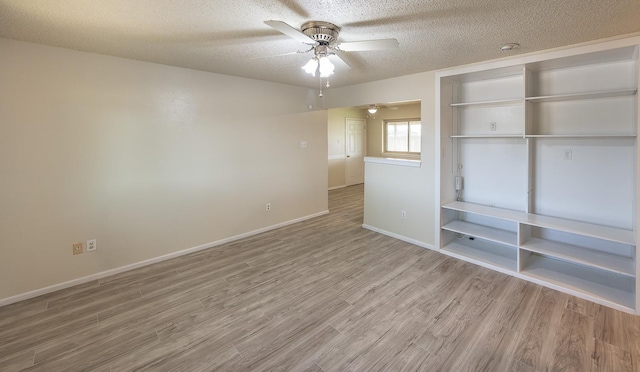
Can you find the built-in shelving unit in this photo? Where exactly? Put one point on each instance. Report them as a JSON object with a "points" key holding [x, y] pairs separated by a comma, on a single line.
{"points": [[548, 151]]}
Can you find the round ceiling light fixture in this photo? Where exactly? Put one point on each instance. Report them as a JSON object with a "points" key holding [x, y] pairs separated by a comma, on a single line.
{"points": [[509, 47], [373, 109]]}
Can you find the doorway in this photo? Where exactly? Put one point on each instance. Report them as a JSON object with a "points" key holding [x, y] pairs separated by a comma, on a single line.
{"points": [[355, 150]]}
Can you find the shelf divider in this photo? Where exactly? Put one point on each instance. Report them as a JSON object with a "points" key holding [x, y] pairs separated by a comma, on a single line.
{"points": [[603, 135], [489, 103], [488, 136], [577, 96]]}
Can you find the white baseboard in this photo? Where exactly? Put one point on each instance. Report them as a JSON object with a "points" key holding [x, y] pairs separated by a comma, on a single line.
{"points": [[117, 270], [337, 187], [400, 237]]}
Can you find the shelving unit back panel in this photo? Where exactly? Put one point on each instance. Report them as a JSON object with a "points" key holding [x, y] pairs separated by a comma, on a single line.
{"points": [[584, 79], [495, 223], [606, 116], [491, 90], [493, 172], [588, 180], [508, 119]]}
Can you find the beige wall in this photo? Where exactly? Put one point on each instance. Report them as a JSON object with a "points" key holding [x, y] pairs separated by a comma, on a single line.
{"points": [[390, 189], [375, 128], [147, 159], [336, 143]]}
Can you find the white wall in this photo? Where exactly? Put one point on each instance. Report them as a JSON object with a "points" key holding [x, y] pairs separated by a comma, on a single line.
{"points": [[147, 159], [389, 189]]}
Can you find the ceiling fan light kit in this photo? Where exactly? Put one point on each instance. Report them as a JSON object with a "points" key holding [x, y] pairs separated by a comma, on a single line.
{"points": [[373, 109], [320, 62]]}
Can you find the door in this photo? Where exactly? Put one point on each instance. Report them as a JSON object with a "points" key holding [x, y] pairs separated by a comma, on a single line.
{"points": [[355, 151]]}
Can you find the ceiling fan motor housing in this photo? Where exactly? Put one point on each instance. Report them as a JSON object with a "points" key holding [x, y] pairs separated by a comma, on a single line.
{"points": [[324, 33]]}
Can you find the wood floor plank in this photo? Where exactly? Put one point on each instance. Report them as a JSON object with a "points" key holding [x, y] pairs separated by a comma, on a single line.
{"points": [[387, 348], [99, 354], [574, 348], [411, 358], [538, 341], [616, 328], [518, 366], [609, 358], [320, 295], [517, 304], [491, 351], [17, 361], [442, 282]]}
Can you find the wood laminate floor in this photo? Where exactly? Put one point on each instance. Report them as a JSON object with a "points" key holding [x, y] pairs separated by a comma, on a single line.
{"points": [[320, 295]]}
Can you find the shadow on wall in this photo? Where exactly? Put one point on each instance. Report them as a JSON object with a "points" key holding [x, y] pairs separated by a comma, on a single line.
{"points": [[343, 164]]}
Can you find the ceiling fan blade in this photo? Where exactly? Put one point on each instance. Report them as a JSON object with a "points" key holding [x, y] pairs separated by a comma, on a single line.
{"points": [[290, 31], [278, 55], [340, 64], [357, 46]]}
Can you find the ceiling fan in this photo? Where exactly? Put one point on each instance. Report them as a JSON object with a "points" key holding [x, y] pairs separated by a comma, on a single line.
{"points": [[322, 38]]}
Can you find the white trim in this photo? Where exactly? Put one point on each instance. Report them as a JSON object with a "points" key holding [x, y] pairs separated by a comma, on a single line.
{"points": [[118, 270], [337, 157], [523, 59], [399, 237], [337, 187], [394, 161]]}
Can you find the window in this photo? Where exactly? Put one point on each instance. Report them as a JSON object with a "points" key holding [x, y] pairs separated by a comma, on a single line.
{"points": [[402, 135]]}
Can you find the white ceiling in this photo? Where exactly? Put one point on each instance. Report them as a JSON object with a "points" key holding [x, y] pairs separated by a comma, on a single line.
{"points": [[225, 36]]}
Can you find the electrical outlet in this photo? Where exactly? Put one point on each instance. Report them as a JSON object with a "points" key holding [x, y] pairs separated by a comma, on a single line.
{"points": [[492, 126], [303, 144], [267, 207], [92, 245], [78, 248], [403, 215], [568, 155]]}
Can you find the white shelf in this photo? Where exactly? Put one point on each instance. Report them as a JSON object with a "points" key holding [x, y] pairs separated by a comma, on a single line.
{"points": [[483, 232], [577, 96], [501, 257], [600, 286], [600, 260], [489, 103], [488, 136], [602, 135], [580, 135], [574, 227], [505, 214]]}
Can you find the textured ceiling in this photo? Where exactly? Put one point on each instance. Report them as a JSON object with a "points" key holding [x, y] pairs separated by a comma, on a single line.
{"points": [[227, 36]]}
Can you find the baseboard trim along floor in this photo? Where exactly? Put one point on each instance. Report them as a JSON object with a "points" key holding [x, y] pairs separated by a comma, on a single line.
{"points": [[118, 270]]}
